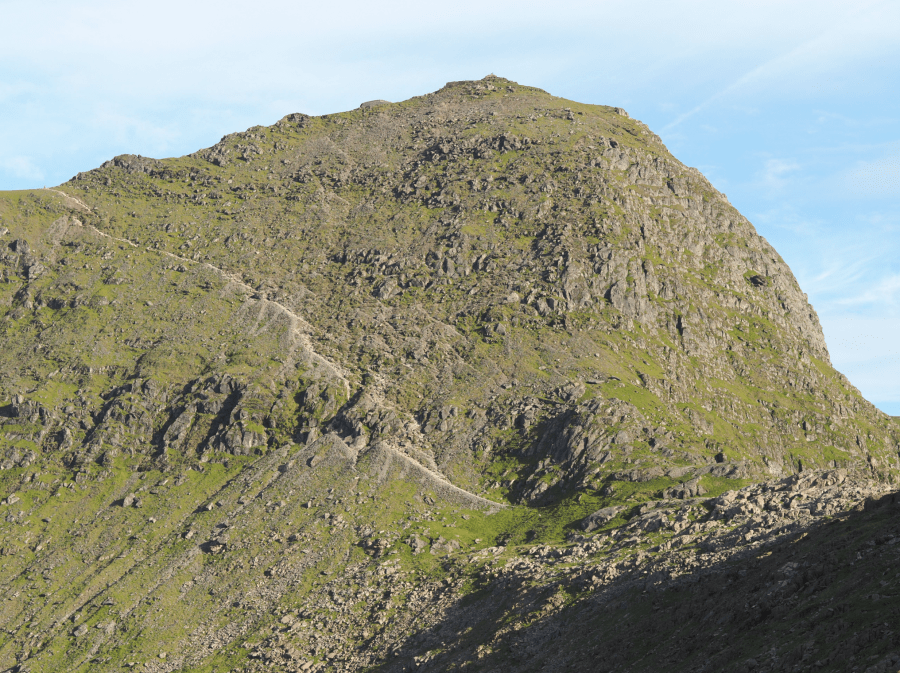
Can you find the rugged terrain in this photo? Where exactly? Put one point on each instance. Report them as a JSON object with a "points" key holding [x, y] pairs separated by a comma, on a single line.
{"points": [[485, 379]]}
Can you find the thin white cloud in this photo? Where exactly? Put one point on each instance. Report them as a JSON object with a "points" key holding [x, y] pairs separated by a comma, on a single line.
{"points": [[21, 167], [124, 126], [824, 51], [850, 267], [884, 294], [775, 172], [841, 273], [874, 178]]}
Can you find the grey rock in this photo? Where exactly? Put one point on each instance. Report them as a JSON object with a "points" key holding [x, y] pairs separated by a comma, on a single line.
{"points": [[442, 546], [651, 521], [417, 543], [689, 489], [600, 518]]}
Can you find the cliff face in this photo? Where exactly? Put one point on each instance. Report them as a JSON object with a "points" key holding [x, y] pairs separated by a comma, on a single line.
{"points": [[301, 350]]}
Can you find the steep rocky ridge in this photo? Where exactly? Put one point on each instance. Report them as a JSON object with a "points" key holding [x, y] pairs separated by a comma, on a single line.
{"points": [[366, 341]]}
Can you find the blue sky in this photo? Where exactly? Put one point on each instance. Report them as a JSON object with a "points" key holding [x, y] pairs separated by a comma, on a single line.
{"points": [[790, 108]]}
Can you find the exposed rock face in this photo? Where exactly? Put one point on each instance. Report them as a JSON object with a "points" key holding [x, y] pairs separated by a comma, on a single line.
{"points": [[332, 369]]}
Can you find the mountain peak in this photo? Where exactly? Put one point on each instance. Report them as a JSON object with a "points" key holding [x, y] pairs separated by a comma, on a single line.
{"points": [[323, 363]]}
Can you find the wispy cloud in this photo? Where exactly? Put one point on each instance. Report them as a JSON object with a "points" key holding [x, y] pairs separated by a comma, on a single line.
{"points": [[767, 70], [125, 126], [774, 173], [884, 294], [21, 167], [786, 217], [817, 53], [846, 268], [841, 273], [875, 178]]}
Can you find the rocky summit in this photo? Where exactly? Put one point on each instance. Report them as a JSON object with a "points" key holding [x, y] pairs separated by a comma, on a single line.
{"points": [[485, 380]]}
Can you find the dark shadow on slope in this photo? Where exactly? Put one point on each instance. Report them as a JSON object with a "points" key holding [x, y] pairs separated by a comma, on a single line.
{"points": [[819, 599]]}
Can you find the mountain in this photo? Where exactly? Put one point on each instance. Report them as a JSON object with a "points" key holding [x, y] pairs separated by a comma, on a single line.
{"points": [[402, 387]]}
